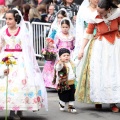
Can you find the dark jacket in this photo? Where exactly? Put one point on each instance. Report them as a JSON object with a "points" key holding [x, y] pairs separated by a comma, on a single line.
{"points": [[78, 2], [72, 9], [17, 2], [35, 20], [43, 17]]}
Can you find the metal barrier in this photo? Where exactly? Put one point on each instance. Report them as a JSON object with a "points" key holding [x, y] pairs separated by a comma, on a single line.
{"points": [[39, 34], [39, 31], [2, 22]]}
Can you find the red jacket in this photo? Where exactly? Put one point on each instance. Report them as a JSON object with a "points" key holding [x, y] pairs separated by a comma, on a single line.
{"points": [[104, 31]]}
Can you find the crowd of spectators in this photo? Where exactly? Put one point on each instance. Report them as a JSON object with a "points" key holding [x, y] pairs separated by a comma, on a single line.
{"points": [[41, 10]]}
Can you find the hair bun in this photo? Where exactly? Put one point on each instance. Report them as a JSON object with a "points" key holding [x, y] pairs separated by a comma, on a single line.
{"points": [[17, 18]]}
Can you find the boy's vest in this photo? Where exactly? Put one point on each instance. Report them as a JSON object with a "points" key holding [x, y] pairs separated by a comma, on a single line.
{"points": [[63, 84]]}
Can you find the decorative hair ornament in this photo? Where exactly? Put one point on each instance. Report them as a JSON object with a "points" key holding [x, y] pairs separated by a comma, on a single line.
{"points": [[49, 40], [16, 14]]}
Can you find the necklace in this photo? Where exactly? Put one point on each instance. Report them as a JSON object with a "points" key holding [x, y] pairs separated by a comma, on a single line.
{"points": [[107, 22]]}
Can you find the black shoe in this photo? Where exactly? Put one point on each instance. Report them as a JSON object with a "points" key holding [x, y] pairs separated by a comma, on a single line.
{"points": [[98, 106], [19, 113], [13, 116]]}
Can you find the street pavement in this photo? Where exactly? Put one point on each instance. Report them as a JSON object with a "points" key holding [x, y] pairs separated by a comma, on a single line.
{"points": [[84, 111]]}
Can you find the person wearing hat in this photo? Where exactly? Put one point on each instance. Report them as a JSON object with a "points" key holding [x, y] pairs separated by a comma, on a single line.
{"points": [[65, 78]]}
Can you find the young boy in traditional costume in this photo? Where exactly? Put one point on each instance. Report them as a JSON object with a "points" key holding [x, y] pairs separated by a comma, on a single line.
{"points": [[65, 79]]}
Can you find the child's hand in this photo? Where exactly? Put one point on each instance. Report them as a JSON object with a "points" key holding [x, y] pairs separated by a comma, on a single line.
{"points": [[6, 72]]}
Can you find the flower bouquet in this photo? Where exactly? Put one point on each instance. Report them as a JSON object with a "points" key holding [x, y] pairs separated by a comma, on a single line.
{"points": [[8, 60], [49, 55], [49, 52]]}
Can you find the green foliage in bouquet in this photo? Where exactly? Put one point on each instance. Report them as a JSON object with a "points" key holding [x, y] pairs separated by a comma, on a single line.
{"points": [[49, 55]]}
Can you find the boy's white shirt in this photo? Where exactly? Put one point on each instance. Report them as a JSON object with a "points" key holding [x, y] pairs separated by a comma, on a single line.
{"points": [[71, 73]]}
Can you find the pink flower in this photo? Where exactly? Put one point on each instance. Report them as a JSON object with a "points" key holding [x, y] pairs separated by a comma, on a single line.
{"points": [[17, 46], [51, 51], [1, 108], [8, 100], [54, 51], [41, 105], [24, 81], [38, 99], [9, 81], [26, 100], [14, 74], [35, 100], [30, 108], [7, 46], [16, 108], [43, 50]]}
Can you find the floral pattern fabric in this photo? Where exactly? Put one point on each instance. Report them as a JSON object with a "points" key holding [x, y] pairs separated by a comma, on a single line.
{"points": [[82, 93], [64, 42], [48, 74], [21, 94]]}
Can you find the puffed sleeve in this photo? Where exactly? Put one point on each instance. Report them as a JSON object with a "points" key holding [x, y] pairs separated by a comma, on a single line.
{"points": [[2, 42], [73, 43], [89, 31], [58, 67], [57, 40]]}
